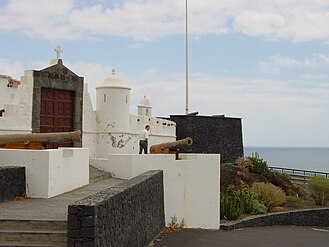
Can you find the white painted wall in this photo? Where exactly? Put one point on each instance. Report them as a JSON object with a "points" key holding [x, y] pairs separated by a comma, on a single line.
{"points": [[159, 126], [7, 94], [18, 112], [112, 106], [89, 124], [191, 185], [50, 172]]}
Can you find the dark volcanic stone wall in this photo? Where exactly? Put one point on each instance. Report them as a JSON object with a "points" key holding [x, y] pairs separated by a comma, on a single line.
{"points": [[305, 217], [128, 214], [211, 134], [12, 182]]}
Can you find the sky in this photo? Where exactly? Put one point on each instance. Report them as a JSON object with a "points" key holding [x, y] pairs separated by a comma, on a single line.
{"points": [[266, 62]]}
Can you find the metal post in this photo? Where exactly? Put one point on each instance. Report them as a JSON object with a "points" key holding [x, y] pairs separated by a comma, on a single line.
{"points": [[186, 93]]}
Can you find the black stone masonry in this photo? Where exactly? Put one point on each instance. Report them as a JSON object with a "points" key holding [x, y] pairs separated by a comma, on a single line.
{"points": [[128, 214], [211, 134], [12, 182]]}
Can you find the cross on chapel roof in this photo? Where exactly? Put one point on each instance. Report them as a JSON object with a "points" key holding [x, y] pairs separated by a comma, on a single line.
{"points": [[58, 52]]}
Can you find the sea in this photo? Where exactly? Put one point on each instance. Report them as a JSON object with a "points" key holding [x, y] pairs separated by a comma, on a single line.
{"points": [[310, 159]]}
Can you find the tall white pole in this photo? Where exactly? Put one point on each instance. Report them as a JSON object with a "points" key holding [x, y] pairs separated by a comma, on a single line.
{"points": [[186, 31]]}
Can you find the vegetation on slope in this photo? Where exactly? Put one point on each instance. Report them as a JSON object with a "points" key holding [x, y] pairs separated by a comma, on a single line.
{"points": [[249, 187]]}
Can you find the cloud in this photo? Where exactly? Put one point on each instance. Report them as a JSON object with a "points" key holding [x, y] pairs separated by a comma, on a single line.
{"points": [[37, 18], [314, 77], [276, 64], [209, 94], [144, 20], [13, 69], [296, 20], [231, 95]]}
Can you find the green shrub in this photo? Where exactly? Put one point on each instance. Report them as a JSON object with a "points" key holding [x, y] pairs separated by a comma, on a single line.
{"points": [[319, 187], [258, 207], [269, 194], [230, 206], [300, 191], [236, 201], [247, 197], [258, 165]]}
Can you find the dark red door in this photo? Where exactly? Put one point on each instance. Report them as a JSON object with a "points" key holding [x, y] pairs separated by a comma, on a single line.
{"points": [[56, 112]]}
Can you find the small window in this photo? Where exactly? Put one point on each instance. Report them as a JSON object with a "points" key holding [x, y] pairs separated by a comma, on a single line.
{"points": [[104, 97], [126, 98]]}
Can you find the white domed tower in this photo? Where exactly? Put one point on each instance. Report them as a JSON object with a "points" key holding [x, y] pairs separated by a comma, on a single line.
{"points": [[144, 108], [112, 104]]}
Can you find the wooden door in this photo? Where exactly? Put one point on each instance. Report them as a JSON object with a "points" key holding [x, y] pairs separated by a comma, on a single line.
{"points": [[56, 112]]}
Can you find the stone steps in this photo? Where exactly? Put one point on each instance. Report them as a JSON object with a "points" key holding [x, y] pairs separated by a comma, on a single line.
{"points": [[33, 233]]}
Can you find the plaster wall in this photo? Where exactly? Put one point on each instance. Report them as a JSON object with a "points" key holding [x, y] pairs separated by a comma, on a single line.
{"points": [[124, 143], [159, 126], [18, 112], [7, 94], [89, 140], [89, 124], [50, 172], [112, 107], [191, 185]]}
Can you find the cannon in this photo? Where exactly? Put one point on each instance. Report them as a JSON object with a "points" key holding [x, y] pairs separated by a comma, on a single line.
{"points": [[171, 147], [37, 140]]}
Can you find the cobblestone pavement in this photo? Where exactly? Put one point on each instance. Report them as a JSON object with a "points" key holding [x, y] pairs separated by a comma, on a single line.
{"points": [[274, 236]]}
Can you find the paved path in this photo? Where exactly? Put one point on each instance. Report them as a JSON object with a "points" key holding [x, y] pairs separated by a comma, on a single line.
{"points": [[55, 208], [274, 236]]}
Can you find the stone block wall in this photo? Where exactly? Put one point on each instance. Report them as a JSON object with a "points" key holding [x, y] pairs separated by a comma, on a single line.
{"points": [[12, 182], [128, 214], [306, 217], [211, 134]]}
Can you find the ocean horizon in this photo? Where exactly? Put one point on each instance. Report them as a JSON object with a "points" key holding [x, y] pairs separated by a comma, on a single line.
{"points": [[304, 158]]}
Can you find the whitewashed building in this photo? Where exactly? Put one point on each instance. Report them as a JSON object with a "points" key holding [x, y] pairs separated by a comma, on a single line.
{"points": [[109, 129], [55, 98]]}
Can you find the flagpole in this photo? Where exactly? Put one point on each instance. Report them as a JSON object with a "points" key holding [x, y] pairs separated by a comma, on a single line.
{"points": [[186, 39]]}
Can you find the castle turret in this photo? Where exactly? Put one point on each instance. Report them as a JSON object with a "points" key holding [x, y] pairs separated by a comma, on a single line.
{"points": [[112, 104], [144, 108]]}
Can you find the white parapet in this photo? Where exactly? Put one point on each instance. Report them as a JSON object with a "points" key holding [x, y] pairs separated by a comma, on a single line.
{"points": [[191, 184], [50, 172]]}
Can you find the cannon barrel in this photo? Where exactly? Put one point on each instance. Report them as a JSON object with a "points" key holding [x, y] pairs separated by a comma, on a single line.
{"points": [[44, 138], [171, 145]]}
